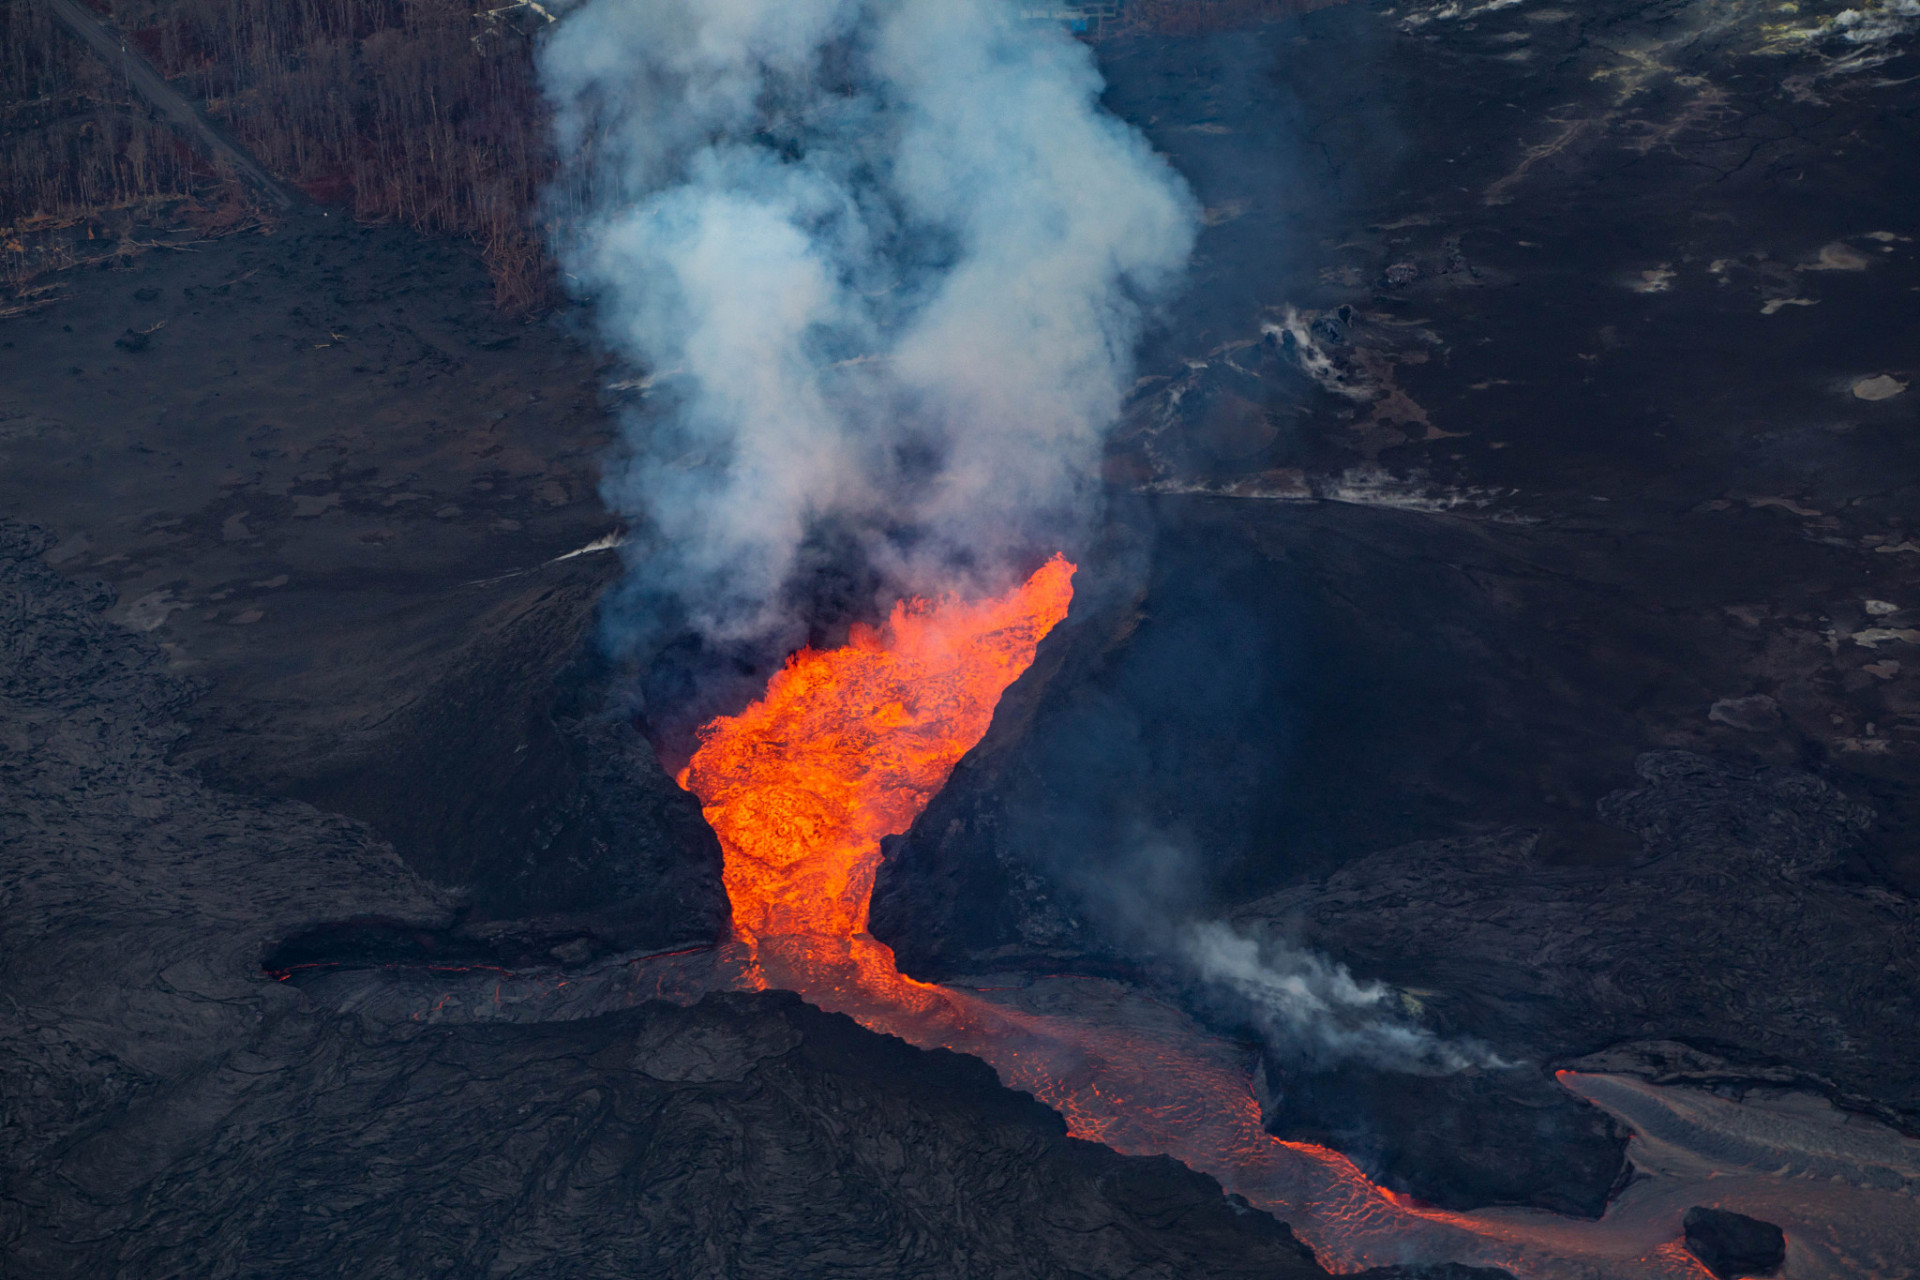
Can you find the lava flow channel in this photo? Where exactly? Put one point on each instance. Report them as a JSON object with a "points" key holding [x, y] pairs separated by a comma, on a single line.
{"points": [[848, 746]]}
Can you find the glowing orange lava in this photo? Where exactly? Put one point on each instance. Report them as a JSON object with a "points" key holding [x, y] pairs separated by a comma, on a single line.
{"points": [[848, 745]]}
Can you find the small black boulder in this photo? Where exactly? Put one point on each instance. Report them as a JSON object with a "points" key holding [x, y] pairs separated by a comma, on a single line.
{"points": [[1732, 1244]]}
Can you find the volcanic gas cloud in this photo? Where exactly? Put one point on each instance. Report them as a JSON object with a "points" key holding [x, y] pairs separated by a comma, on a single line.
{"points": [[883, 263]]}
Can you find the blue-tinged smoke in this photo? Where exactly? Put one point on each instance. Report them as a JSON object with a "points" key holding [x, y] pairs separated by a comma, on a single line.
{"points": [[1311, 1008], [884, 263]]}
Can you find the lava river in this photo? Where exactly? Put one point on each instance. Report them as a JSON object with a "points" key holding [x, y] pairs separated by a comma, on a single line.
{"points": [[847, 746]]}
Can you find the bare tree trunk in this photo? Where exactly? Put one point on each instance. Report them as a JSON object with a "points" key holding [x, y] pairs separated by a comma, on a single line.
{"points": [[148, 83]]}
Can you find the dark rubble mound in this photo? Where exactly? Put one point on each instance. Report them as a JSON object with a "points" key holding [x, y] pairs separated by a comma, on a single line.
{"points": [[1459, 1141], [1732, 1244], [1777, 818]]}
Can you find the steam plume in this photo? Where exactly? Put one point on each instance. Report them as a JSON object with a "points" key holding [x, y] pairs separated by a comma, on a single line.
{"points": [[1309, 1008], [885, 261], [1312, 1008]]}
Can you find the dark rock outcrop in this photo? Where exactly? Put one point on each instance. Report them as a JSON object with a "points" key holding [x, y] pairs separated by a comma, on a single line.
{"points": [[517, 779], [1780, 820], [1464, 1140], [1733, 1245]]}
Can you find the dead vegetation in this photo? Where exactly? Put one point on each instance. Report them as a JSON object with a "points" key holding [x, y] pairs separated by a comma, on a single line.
{"points": [[425, 112], [80, 159]]}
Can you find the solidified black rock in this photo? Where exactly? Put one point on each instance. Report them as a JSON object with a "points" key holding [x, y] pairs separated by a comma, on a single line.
{"points": [[1776, 818], [1459, 1141], [1732, 1244], [517, 780]]}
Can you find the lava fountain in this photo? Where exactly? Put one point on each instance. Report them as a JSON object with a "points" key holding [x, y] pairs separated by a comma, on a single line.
{"points": [[848, 746]]}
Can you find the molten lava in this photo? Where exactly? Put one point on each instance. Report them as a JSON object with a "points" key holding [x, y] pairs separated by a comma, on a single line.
{"points": [[848, 745]]}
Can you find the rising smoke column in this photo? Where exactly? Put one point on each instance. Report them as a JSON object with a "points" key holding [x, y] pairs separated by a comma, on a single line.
{"points": [[885, 262]]}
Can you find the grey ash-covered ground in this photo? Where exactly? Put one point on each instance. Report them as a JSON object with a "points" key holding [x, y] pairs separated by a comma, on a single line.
{"points": [[1509, 589]]}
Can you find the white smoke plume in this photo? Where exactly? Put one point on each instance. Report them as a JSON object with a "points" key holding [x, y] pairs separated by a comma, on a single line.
{"points": [[1312, 1008], [1308, 1007], [885, 262]]}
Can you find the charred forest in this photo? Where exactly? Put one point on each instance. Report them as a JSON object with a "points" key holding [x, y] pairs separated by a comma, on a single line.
{"points": [[423, 113]]}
